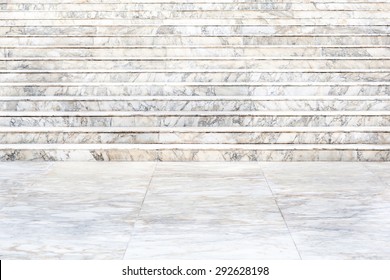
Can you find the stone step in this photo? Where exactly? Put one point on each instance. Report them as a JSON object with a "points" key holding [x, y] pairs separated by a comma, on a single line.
{"points": [[189, 77], [207, 14], [183, 6], [195, 103], [192, 30], [194, 135], [196, 22], [206, 63], [176, 40], [195, 51], [195, 119], [270, 2], [285, 89], [192, 152]]}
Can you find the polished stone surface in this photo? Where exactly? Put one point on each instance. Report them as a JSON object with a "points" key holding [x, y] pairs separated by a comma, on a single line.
{"points": [[198, 210]]}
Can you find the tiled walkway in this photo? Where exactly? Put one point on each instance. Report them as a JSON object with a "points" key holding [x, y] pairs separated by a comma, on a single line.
{"points": [[110, 210]]}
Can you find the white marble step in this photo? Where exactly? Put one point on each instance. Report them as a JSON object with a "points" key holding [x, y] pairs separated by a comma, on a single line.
{"points": [[192, 113], [308, 89], [203, 30], [271, 129], [194, 135], [197, 22], [195, 118], [191, 152], [239, 6], [194, 103], [206, 63], [194, 51], [164, 40], [210, 77], [193, 98], [213, 14], [186, 1]]}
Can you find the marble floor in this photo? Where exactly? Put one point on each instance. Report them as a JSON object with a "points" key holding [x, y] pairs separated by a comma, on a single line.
{"points": [[149, 210]]}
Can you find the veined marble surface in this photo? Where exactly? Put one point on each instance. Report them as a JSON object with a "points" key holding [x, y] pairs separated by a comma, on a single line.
{"points": [[195, 90], [149, 210]]}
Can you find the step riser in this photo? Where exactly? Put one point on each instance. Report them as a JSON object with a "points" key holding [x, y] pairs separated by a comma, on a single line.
{"points": [[198, 40], [123, 64], [193, 77], [196, 52], [196, 7], [192, 155], [191, 30], [188, 1], [195, 90], [191, 14], [201, 121], [196, 138], [174, 105], [197, 22]]}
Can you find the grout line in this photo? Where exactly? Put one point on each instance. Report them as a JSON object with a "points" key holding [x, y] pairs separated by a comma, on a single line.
{"points": [[280, 211], [140, 208]]}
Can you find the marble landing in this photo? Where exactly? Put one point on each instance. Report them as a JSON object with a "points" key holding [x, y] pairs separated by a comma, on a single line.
{"points": [[194, 210]]}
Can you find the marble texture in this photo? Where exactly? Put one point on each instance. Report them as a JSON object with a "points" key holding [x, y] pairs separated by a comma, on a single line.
{"points": [[199, 119], [74, 217], [197, 210], [330, 208], [75, 71], [195, 90], [193, 14], [206, 30], [173, 104], [91, 51], [174, 40], [259, 77], [194, 153], [194, 6], [228, 135]]}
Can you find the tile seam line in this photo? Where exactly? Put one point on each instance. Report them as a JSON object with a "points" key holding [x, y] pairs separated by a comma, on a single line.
{"points": [[139, 211], [280, 211]]}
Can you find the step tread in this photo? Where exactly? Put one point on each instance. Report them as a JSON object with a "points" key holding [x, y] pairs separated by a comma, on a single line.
{"points": [[194, 98], [233, 147], [186, 46], [187, 113], [192, 129], [179, 71], [222, 84], [155, 58]]}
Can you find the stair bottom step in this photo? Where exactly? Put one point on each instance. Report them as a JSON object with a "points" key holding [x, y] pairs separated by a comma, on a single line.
{"points": [[187, 152]]}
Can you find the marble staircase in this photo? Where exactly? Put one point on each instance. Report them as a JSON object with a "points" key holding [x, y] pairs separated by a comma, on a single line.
{"points": [[195, 80]]}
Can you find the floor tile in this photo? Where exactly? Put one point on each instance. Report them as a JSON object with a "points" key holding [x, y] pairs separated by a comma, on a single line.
{"points": [[333, 210], [76, 211], [205, 216]]}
